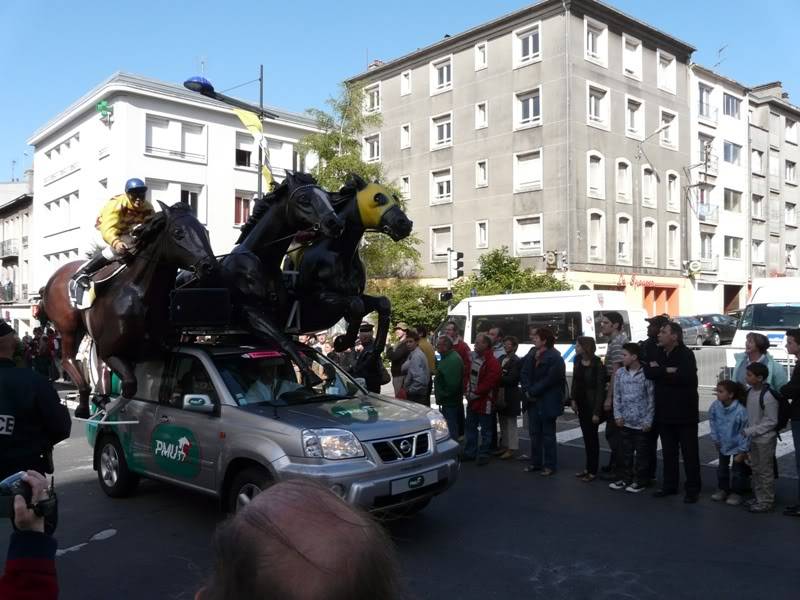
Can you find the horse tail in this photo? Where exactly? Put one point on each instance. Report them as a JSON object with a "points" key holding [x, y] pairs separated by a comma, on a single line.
{"points": [[41, 315]]}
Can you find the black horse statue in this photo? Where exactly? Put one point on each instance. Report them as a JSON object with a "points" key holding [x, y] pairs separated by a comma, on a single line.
{"points": [[331, 277], [130, 316]]}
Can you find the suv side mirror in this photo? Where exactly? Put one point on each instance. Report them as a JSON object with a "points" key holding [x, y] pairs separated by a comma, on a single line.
{"points": [[361, 381], [199, 403]]}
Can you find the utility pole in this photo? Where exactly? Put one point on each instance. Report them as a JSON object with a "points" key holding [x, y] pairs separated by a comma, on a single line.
{"points": [[261, 119]]}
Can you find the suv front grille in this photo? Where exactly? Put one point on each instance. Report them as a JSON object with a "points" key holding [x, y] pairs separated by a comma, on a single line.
{"points": [[403, 448]]}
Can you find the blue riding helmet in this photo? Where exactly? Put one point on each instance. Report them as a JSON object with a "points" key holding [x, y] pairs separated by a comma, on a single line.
{"points": [[135, 184]]}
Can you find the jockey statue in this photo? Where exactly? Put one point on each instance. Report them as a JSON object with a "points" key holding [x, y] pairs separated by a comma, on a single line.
{"points": [[117, 219]]}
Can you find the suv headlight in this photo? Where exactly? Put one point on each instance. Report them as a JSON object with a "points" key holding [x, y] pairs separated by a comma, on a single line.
{"points": [[334, 444], [438, 424]]}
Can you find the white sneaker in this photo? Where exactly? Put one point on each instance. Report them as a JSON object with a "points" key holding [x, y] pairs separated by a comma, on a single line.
{"points": [[618, 485], [635, 488], [734, 500], [719, 496]]}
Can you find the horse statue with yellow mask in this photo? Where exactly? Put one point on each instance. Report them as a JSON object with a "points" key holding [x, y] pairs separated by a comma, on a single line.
{"points": [[330, 277]]}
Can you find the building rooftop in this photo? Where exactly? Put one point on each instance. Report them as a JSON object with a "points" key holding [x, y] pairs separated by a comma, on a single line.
{"points": [[711, 72], [542, 5], [151, 86], [13, 190]]}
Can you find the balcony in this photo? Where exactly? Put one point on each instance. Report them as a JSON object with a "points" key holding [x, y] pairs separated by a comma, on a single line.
{"points": [[709, 265], [759, 271], [706, 213], [708, 115], [712, 168], [9, 248], [68, 170], [170, 153]]}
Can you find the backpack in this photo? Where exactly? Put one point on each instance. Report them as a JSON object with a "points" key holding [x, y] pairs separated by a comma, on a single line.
{"points": [[783, 406]]}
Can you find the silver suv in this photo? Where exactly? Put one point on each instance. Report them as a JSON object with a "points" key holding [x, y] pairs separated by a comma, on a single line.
{"points": [[229, 420]]}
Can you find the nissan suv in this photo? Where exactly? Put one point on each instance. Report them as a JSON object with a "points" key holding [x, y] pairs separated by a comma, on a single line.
{"points": [[228, 420]]}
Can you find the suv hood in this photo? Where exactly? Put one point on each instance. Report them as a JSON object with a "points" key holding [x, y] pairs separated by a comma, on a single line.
{"points": [[368, 417]]}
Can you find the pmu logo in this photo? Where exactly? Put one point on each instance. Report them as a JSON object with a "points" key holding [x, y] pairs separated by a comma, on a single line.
{"points": [[179, 451], [176, 451]]}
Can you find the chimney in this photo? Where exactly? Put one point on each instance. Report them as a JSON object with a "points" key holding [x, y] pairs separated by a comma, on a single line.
{"points": [[29, 179], [375, 64]]}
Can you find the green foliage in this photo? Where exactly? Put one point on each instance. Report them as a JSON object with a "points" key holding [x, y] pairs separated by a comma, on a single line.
{"points": [[415, 304], [338, 147], [500, 273]]}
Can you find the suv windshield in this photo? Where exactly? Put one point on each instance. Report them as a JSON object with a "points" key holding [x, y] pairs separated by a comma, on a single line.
{"points": [[783, 315], [270, 377]]}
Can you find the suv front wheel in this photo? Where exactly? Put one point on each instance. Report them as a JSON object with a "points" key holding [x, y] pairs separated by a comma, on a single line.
{"points": [[247, 484], [116, 480]]}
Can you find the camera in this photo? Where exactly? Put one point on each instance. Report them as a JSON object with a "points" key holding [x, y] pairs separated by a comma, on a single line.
{"points": [[14, 485]]}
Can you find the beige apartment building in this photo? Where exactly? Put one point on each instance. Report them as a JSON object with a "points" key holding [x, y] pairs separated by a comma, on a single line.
{"points": [[561, 131]]}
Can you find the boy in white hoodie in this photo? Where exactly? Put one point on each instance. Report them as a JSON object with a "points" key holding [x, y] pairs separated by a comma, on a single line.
{"points": [[762, 414]]}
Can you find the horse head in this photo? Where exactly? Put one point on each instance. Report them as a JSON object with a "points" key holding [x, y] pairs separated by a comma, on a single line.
{"points": [[309, 206], [179, 237], [379, 208]]}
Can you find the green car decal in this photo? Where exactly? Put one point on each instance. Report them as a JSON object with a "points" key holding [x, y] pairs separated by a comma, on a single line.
{"points": [[176, 451], [355, 412]]}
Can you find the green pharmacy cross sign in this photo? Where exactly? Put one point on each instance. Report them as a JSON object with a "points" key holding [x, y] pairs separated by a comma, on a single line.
{"points": [[105, 110]]}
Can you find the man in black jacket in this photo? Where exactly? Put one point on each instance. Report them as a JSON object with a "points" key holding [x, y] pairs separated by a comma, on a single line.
{"points": [[368, 364], [32, 418], [650, 354], [792, 390], [674, 373]]}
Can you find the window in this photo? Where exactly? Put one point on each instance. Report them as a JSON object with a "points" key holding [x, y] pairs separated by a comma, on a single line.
{"points": [[481, 55], [669, 132], [673, 245], [757, 160], [733, 247], [482, 234], [528, 235], [481, 115], [624, 239], [673, 191], [757, 207], [191, 196], [757, 251], [442, 186], [774, 165], [649, 243], [667, 71], [372, 98], [405, 136], [732, 153], [791, 131], [649, 187], [597, 106], [596, 176], [624, 182], [597, 236], [528, 109], [405, 186], [526, 45], [528, 171], [731, 106], [441, 75], [405, 83], [634, 117], [241, 210], [791, 256], [790, 214], [372, 148], [481, 173], [790, 172], [244, 149], [596, 36], [441, 242], [170, 138], [706, 245], [704, 96], [631, 57], [732, 200], [442, 131]]}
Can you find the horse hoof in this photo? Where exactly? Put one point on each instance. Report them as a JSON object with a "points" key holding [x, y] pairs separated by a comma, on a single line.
{"points": [[82, 411]]}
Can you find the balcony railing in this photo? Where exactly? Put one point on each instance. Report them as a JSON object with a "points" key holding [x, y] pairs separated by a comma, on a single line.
{"points": [[708, 213], [62, 173], [9, 248], [713, 164], [759, 270], [169, 153], [709, 265], [708, 114]]}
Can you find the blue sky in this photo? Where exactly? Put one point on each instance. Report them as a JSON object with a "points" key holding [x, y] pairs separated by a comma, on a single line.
{"points": [[53, 51]]}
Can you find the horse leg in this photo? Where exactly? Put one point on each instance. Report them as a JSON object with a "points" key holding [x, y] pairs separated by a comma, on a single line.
{"points": [[69, 350], [383, 306], [125, 370], [353, 313]]}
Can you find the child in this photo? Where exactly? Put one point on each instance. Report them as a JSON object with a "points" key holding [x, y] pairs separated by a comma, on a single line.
{"points": [[728, 418], [762, 414], [634, 407]]}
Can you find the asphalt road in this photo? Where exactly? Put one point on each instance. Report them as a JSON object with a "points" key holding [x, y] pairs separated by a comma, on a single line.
{"points": [[498, 533]]}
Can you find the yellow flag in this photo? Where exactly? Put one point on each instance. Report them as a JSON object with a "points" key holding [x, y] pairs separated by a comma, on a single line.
{"points": [[253, 124]]}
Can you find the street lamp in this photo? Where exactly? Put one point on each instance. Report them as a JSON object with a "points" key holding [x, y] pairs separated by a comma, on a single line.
{"points": [[203, 86]]}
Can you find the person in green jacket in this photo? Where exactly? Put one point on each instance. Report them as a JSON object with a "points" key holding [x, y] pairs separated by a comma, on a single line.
{"points": [[449, 383]]}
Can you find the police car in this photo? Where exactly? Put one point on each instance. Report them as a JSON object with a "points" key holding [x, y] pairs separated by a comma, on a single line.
{"points": [[229, 420]]}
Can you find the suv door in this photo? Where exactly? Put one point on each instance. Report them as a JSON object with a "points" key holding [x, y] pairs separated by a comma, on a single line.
{"points": [[186, 444], [135, 439]]}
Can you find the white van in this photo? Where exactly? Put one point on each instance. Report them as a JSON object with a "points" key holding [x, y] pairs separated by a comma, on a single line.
{"points": [[773, 307], [568, 314]]}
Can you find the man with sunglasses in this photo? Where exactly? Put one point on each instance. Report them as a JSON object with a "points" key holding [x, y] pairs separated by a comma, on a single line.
{"points": [[117, 219]]}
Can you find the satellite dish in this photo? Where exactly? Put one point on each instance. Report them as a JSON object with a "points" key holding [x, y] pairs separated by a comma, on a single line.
{"points": [[550, 258]]}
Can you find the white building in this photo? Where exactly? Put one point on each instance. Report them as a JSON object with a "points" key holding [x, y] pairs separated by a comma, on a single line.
{"points": [[15, 253], [718, 192], [185, 146]]}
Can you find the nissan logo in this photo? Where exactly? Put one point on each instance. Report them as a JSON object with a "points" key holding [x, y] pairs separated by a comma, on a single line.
{"points": [[405, 447]]}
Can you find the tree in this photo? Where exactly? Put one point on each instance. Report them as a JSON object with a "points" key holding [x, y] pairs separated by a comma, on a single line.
{"points": [[338, 146], [415, 304], [500, 273]]}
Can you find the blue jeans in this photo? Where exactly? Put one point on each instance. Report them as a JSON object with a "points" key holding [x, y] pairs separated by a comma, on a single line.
{"points": [[450, 414], [796, 436], [542, 432], [732, 478], [471, 434]]}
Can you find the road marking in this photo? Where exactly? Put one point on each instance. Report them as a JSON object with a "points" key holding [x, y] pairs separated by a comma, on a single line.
{"points": [[97, 537]]}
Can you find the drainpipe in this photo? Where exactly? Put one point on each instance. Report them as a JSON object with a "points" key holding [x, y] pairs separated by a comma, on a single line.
{"points": [[568, 222]]}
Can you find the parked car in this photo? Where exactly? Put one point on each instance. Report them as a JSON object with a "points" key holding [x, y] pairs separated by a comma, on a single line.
{"points": [[720, 328], [228, 420], [694, 334]]}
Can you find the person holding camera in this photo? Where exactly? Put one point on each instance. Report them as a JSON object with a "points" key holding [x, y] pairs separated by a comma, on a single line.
{"points": [[32, 418]]}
